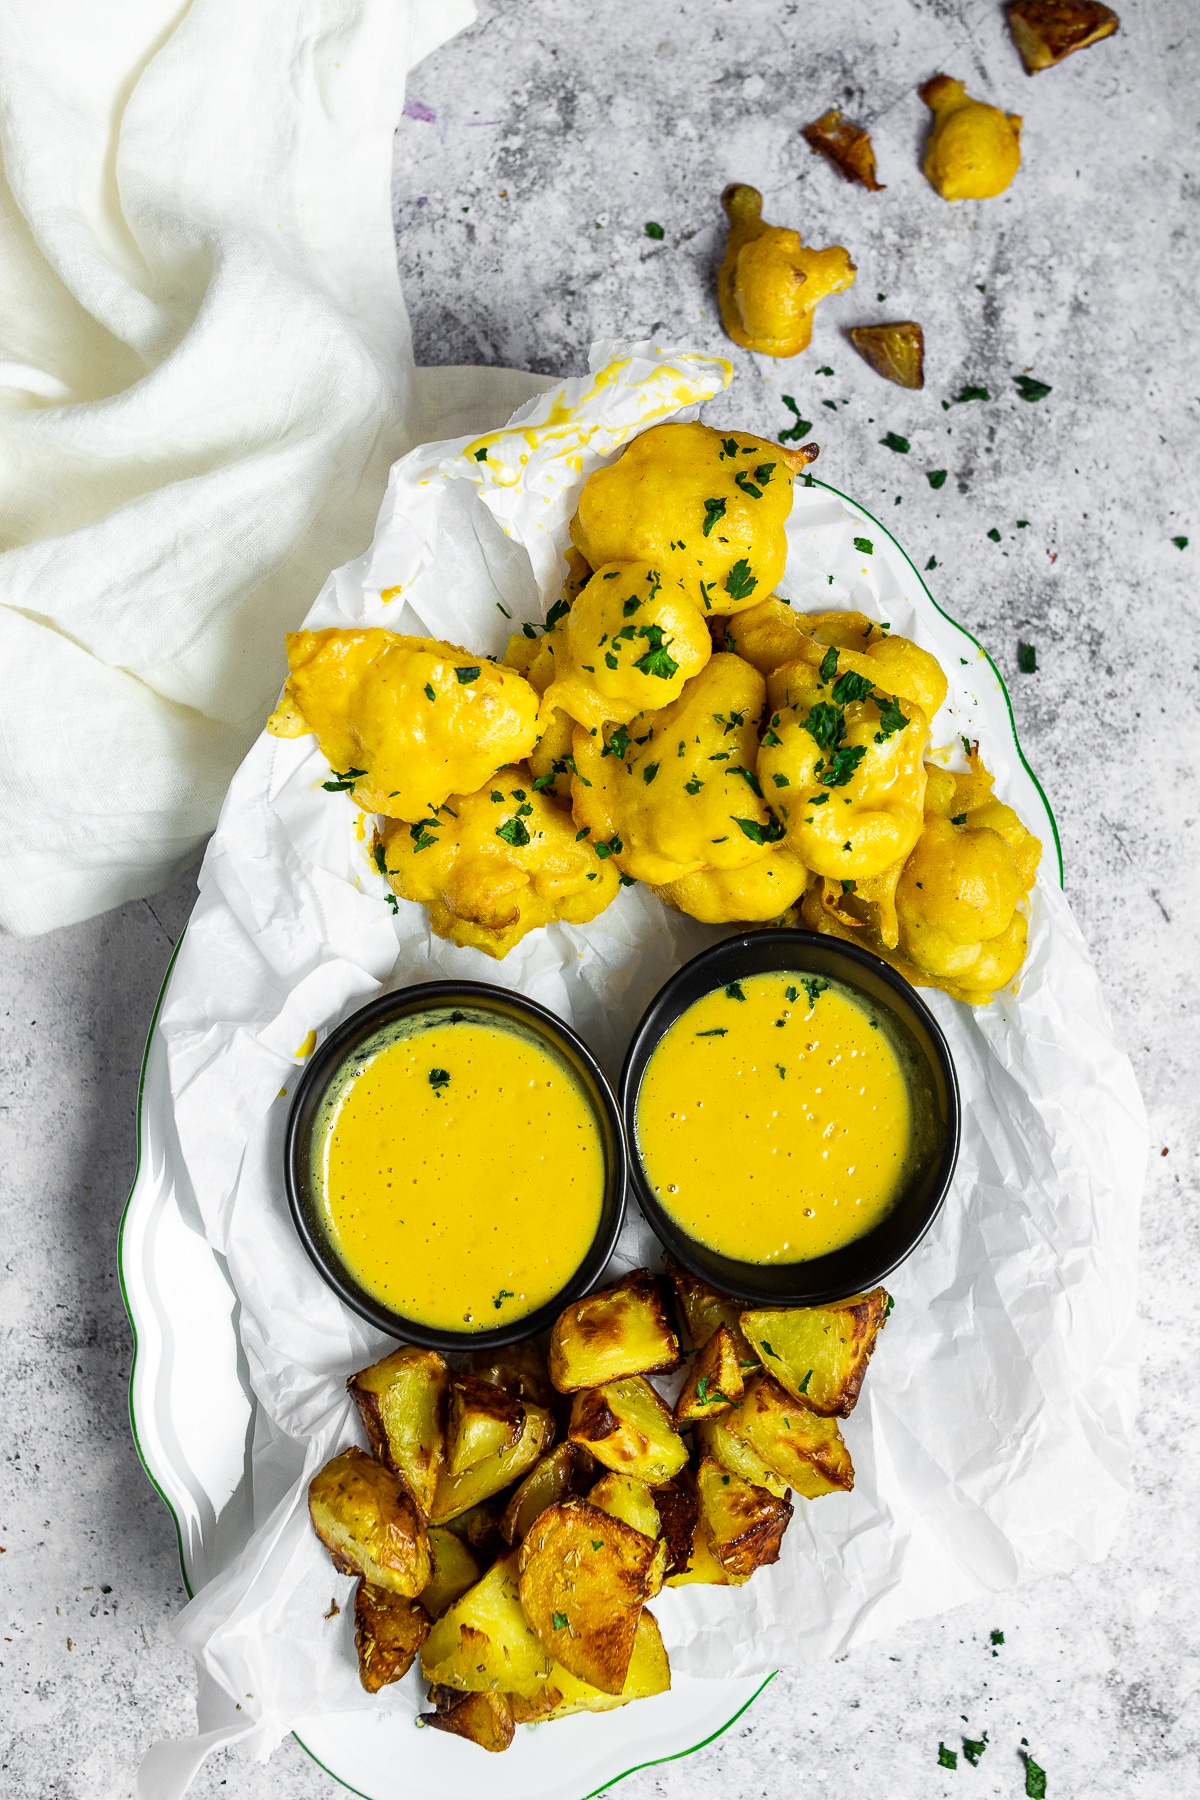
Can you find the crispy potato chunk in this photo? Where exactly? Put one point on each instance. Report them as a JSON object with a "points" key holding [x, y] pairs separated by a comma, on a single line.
{"points": [[584, 1579], [622, 1330], [769, 284], [628, 1499], [715, 1380], [405, 722], [974, 149], [895, 351], [458, 1493], [702, 1568], [455, 1570], [676, 1504], [697, 505], [714, 1440], [627, 1427], [388, 1632], [484, 1641], [631, 640], [519, 1368], [501, 863], [820, 1353], [370, 1523], [402, 1402], [1047, 31], [483, 1719], [568, 1469], [744, 1524], [676, 791], [801, 1446], [704, 1309], [564, 1693], [847, 146], [484, 1420]]}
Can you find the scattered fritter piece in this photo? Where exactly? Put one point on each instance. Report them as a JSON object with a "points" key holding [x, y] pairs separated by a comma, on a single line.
{"points": [[715, 1380], [769, 284], [631, 640], [807, 1450], [895, 351], [484, 1641], [455, 1569], [744, 1524], [649, 1673], [699, 505], [974, 149], [621, 1330], [566, 1470], [402, 1402], [388, 1632], [1047, 31], [627, 1427], [704, 1308], [458, 1493], [519, 1368], [495, 865], [484, 1420], [755, 895], [483, 1719], [846, 145], [715, 1440], [820, 1353], [584, 1579], [405, 722], [370, 1523]]}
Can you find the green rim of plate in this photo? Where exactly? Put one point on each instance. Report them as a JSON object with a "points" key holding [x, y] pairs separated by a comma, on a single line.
{"points": [[675, 1755]]}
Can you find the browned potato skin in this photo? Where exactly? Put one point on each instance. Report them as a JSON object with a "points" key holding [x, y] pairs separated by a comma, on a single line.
{"points": [[483, 1719], [806, 1450], [519, 1368], [895, 351], [480, 1414], [835, 1378], [402, 1403], [622, 1330], [703, 1309], [1047, 31], [677, 1513], [599, 1593], [569, 1469], [744, 1524], [715, 1381], [458, 1494], [455, 1569], [627, 1426], [388, 1632], [847, 146], [369, 1521]]}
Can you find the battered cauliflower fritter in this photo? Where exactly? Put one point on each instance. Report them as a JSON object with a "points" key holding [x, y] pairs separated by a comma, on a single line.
{"points": [[769, 283], [772, 634], [731, 896], [628, 645], [974, 149]]}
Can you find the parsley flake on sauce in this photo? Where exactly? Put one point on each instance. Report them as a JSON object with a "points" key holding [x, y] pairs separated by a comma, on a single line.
{"points": [[429, 693], [842, 764], [809, 1376], [713, 510], [850, 687], [514, 832], [743, 481], [734, 991], [717, 1031], [891, 720], [657, 659], [438, 1079], [813, 985], [760, 834], [501, 1297]]}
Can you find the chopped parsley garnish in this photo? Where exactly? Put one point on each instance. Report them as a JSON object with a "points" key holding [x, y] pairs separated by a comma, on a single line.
{"points": [[438, 1079], [501, 1297], [618, 744], [825, 723], [429, 693], [707, 1396], [392, 902], [481, 455], [1035, 1779], [610, 659], [891, 720], [1027, 658], [1180, 543], [795, 432], [625, 880], [779, 1066], [743, 481], [791, 993], [740, 583], [850, 687], [558, 611], [657, 659], [809, 1376], [966, 744], [893, 441], [997, 1638], [760, 834], [764, 472], [529, 630], [813, 985], [887, 1313], [514, 832], [750, 778], [728, 447], [973, 1749], [467, 675], [630, 606], [973, 393], [842, 764], [865, 546], [936, 477], [713, 510], [781, 781], [931, 564], [1030, 389], [959, 819], [694, 785], [947, 1759], [772, 740], [829, 663], [994, 535], [504, 610], [654, 230], [717, 1031], [847, 887], [649, 772], [559, 1620], [380, 855], [734, 991], [769, 1350], [612, 848]]}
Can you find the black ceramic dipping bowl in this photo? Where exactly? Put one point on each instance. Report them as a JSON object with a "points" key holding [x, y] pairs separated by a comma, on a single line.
{"points": [[863, 1263], [327, 1071]]}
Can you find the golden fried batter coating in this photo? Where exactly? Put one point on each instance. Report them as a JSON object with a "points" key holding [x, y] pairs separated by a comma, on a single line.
{"points": [[730, 896], [974, 149], [769, 284], [405, 722], [772, 634], [491, 866], [629, 643]]}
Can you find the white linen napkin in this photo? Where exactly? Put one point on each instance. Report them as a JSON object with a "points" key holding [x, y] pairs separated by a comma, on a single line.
{"points": [[205, 374]]}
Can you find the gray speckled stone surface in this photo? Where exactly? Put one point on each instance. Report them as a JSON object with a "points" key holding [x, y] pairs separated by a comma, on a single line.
{"points": [[535, 148]]}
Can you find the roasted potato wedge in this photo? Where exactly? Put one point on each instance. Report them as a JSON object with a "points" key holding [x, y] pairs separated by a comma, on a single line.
{"points": [[458, 1493], [483, 1719], [704, 1308], [744, 1524], [623, 1330], [703, 1568], [801, 1446], [629, 1499], [715, 1440], [455, 1569], [715, 1380], [564, 1693], [370, 1523], [402, 1400], [519, 1368], [627, 1427], [584, 1580], [1047, 31], [847, 146], [895, 351], [567, 1470], [677, 1509], [388, 1632], [820, 1353], [484, 1420], [484, 1641]]}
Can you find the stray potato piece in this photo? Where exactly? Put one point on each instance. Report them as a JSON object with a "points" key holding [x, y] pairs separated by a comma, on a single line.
{"points": [[714, 1382], [568, 1469], [519, 1368], [1047, 31], [820, 1353], [974, 149], [370, 1523], [895, 351], [458, 1493], [769, 285], [715, 1440], [483, 1719], [744, 1524], [675, 1502], [622, 1330], [584, 1579], [627, 1427], [388, 1632], [704, 1309], [801, 1446], [484, 1641], [402, 1401], [847, 146], [455, 1570], [564, 1693], [484, 1420]]}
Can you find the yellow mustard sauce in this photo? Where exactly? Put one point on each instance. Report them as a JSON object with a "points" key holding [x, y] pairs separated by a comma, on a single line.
{"points": [[774, 1119], [461, 1173]]}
